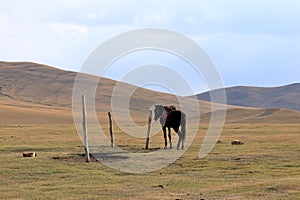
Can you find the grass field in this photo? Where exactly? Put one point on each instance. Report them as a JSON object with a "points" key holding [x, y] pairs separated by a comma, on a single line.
{"points": [[267, 166]]}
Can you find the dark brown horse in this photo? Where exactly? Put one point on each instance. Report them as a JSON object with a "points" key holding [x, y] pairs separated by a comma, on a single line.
{"points": [[169, 118]]}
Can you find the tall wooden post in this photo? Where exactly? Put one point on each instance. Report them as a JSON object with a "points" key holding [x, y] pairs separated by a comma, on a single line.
{"points": [[149, 129], [112, 140], [85, 134]]}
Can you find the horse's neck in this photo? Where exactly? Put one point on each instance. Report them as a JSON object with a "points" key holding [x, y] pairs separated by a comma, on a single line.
{"points": [[162, 121], [163, 117]]}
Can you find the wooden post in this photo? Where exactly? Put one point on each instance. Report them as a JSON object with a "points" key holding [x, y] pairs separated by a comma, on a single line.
{"points": [[112, 140], [85, 134], [148, 130]]}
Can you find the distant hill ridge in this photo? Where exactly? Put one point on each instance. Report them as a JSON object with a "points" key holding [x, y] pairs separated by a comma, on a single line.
{"points": [[35, 93], [287, 97]]}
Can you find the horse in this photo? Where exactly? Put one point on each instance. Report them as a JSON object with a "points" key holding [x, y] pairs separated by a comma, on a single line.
{"points": [[169, 118]]}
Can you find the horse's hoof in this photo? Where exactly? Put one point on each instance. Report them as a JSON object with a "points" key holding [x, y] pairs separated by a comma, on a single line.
{"points": [[165, 147]]}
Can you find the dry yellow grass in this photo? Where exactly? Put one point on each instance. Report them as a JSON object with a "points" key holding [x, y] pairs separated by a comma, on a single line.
{"points": [[33, 114], [39, 118], [265, 167]]}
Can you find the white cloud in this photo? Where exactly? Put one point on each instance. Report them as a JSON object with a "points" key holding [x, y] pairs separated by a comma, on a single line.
{"points": [[150, 19], [190, 20], [66, 30], [49, 31]]}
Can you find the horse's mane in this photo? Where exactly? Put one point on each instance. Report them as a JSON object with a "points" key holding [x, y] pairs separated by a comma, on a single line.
{"points": [[170, 108]]}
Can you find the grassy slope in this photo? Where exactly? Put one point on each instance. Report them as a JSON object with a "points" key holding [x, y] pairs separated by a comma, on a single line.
{"points": [[34, 93], [39, 87], [259, 116]]}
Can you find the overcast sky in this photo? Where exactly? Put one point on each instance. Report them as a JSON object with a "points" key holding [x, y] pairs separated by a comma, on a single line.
{"points": [[251, 42]]}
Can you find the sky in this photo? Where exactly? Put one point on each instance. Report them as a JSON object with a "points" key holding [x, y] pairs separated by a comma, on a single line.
{"points": [[251, 42]]}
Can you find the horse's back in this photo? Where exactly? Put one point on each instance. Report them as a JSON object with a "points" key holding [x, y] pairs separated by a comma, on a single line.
{"points": [[174, 119], [176, 114]]}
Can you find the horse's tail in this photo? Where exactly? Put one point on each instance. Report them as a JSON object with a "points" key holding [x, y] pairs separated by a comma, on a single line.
{"points": [[183, 126]]}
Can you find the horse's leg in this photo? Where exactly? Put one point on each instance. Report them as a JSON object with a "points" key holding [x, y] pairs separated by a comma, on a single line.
{"points": [[183, 130], [183, 140], [180, 138], [169, 134], [165, 137]]}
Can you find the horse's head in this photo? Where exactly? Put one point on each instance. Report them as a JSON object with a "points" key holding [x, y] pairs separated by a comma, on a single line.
{"points": [[158, 111]]}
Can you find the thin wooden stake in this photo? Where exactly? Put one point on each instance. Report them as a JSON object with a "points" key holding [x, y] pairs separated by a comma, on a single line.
{"points": [[85, 134], [112, 140], [148, 130]]}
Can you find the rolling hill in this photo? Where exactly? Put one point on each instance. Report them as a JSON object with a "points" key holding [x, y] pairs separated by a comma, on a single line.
{"points": [[35, 93], [261, 97], [29, 88]]}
